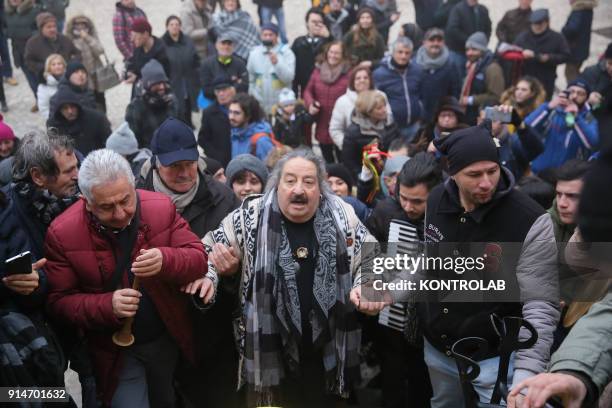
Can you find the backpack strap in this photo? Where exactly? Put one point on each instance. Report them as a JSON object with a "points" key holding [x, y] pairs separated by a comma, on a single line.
{"points": [[255, 138]]}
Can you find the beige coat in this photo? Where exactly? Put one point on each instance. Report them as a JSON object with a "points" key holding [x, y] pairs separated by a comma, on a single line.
{"points": [[196, 26], [90, 46]]}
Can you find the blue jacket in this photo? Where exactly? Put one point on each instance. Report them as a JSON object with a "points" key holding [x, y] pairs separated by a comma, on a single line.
{"points": [[518, 149], [15, 238], [241, 140], [577, 32], [403, 91], [562, 143]]}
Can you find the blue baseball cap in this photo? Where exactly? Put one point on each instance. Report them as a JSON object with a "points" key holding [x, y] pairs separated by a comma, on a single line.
{"points": [[174, 141]]}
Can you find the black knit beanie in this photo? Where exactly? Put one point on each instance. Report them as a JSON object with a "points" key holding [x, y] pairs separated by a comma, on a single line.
{"points": [[340, 171], [466, 146]]}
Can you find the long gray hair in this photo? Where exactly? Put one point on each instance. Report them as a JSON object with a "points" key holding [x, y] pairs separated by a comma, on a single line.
{"points": [[306, 154]]}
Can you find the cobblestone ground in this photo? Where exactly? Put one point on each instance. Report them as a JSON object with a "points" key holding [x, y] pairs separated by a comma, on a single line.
{"points": [[20, 98]]}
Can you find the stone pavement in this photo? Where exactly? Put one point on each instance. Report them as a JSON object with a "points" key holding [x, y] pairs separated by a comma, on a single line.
{"points": [[20, 98]]}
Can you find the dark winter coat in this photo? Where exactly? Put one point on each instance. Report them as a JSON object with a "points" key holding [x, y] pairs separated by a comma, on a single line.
{"points": [[529, 267], [442, 13], [184, 65], [379, 220], [360, 50], [513, 23], [144, 118], [403, 89], [89, 131], [20, 26], [463, 22], [20, 231], [85, 95], [549, 42], [38, 48], [306, 49], [577, 32], [140, 58], [292, 132], [425, 11], [436, 84], [235, 70], [215, 134], [600, 81], [359, 134], [487, 86], [326, 94], [81, 263], [518, 149], [55, 7]]}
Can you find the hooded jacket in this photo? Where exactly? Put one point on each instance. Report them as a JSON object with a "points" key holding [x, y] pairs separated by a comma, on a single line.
{"points": [[144, 118], [241, 140], [529, 266], [91, 48], [85, 95], [404, 90], [561, 142], [89, 130]]}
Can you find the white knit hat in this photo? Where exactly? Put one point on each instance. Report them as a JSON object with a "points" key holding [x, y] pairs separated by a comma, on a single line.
{"points": [[286, 97]]}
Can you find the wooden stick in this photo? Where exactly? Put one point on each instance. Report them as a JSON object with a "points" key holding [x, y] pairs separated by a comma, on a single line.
{"points": [[124, 337]]}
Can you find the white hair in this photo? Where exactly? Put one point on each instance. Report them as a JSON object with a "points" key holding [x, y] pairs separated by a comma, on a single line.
{"points": [[403, 41], [101, 167]]}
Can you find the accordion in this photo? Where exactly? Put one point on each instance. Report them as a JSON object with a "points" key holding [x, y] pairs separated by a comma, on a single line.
{"points": [[403, 239]]}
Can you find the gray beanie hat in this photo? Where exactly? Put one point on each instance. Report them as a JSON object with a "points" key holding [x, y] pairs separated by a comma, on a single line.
{"points": [[153, 73], [478, 41], [122, 140], [246, 162]]}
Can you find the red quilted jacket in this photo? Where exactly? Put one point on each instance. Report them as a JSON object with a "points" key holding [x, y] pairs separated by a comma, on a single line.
{"points": [[326, 95], [81, 262]]}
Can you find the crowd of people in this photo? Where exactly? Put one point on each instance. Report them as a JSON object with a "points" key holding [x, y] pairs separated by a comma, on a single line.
{"points": [[225, 263]]}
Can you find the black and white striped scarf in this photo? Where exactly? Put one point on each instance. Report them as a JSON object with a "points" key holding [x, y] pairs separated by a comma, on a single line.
{"points": [[273, 320]]}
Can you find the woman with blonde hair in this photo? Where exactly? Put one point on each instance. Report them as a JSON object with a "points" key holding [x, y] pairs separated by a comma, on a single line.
{"points": [[55, 67], [370, 123]]}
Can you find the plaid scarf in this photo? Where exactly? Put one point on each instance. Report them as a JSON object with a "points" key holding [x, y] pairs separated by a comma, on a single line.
{"points": [[44, 205], [273, 320], [240, 27]]}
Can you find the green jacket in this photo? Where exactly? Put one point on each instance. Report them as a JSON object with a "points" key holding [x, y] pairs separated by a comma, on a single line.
{"points": [[587, 350]]}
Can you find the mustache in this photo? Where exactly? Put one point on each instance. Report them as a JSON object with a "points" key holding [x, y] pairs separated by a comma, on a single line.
{"points": [[299, 199]]}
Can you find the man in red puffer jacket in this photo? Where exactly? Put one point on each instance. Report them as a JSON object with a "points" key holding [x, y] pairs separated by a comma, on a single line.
{"points": [[90, 280]]}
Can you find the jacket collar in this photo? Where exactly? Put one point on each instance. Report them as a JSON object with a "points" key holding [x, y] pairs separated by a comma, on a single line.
{"points": [[450, 202]]}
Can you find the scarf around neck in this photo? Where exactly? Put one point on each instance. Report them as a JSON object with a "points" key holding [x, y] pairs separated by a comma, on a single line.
{"points": [[180, 200], [427, 62], [272, 309], [330, 74], [41, 203]]}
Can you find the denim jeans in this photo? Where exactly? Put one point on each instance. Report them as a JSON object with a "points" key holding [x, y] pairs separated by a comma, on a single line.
{"points": [[266, 17], [444, 377]]}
